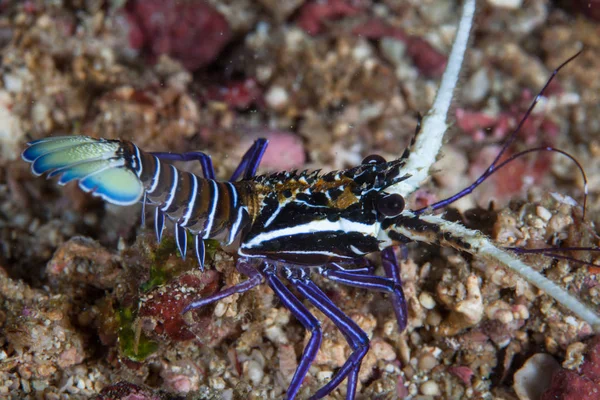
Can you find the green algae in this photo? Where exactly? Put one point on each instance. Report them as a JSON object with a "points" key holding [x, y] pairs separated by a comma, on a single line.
{"points": [[163, 269], [134, 344]]}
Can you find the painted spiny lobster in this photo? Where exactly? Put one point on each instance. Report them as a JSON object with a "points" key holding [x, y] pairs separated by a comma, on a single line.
{"points": [[285, 226]]}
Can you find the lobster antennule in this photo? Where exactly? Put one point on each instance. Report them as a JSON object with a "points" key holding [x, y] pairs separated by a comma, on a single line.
{"points": [[98, 164]]}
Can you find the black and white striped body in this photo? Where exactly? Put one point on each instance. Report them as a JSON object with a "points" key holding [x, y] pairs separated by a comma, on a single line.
{"points": [[311, 219], [304, 219], [207, 208]]}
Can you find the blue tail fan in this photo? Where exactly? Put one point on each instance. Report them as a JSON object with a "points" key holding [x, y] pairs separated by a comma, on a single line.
{"points": [[97, 164]]}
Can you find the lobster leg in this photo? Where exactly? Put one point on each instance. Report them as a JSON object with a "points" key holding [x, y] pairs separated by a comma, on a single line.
{"points": [[392, 271], [205, 161], [375, 283], [363, 267], [356, 337], [248, 165], [181, 239], [251, 160], [254, 279], [307, 320]]}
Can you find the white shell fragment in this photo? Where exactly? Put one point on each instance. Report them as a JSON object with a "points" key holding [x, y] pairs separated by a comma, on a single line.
{"points": [[535, 376]]}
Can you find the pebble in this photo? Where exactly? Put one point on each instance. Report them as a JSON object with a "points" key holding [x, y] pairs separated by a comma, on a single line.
{"points": [[13, 83], [427, 300], [543, 213], [324, 375], [277, 98], [216, 382], [427, 362], [508, 4], [220, 309], [477, 87], [383, 351], [254, 372], [430, 388], [434, 318], [472, 307]]}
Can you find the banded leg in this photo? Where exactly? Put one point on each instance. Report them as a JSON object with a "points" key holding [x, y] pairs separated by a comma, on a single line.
{"points": [[356, 337], [254, 279], [307, 320]]}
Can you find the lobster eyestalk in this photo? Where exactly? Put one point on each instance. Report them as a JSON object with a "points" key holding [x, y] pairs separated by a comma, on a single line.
{"points": [[435, 230]]}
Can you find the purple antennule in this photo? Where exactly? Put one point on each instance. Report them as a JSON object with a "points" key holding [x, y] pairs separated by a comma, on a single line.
{"points": [[496, 164], [553, 252]]}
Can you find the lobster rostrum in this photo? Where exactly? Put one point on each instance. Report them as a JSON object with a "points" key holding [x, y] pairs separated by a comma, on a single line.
{"points": [[286, 226]]}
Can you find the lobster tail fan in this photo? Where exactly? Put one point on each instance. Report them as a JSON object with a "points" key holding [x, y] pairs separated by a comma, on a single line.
{"points": [[99, 165], [119, 186], [38, 148]]}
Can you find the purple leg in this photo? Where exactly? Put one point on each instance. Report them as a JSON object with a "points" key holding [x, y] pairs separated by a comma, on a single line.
{"points": [[392, 271], [248, 165], [207, 167], [356, 337], [307, 320], [251, 160], [254, 279], [390, 284], [362, 267]]}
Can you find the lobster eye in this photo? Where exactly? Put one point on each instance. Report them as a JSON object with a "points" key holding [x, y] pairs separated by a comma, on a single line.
{"points": [[390, 205], [373, 159]]}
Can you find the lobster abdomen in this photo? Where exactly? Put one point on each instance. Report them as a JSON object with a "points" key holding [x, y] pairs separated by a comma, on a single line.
{"points": [[120, 173]]}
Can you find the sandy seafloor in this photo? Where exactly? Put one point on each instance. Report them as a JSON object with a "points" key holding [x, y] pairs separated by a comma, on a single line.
{"points": [[88, 300]]}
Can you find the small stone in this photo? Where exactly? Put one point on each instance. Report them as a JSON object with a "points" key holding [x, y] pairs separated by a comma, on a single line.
{"points": [[427, 300], [574, 356], [543, 213], [324, 375], [430, 388], [434, 318], [277, 98], [382, 350], [216, 383], [463, 373], [427, 362], [13, 83], [220, 309], [254, 371], [507, 4], [477, 87], [393, 49]]}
